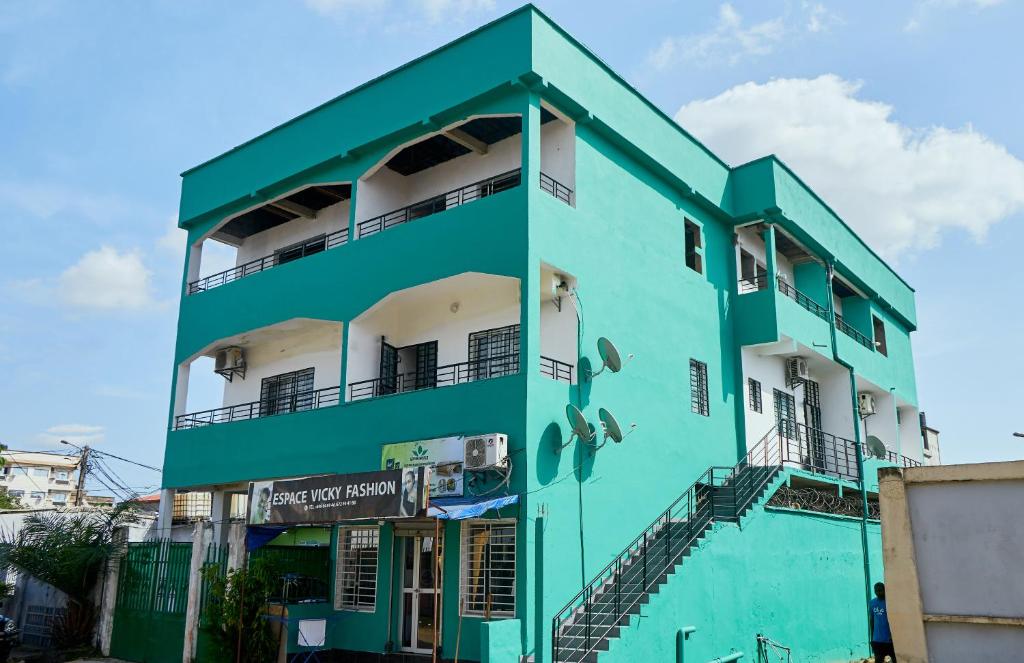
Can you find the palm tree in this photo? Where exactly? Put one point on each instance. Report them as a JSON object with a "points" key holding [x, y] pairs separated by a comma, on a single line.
{"points": [[69, 551]]}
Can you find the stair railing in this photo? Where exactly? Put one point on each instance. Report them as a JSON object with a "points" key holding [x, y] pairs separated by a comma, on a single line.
{"points": [[589, 617]]}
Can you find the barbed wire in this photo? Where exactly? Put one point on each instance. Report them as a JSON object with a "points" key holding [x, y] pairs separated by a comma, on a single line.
{"points": [[823, 500]]}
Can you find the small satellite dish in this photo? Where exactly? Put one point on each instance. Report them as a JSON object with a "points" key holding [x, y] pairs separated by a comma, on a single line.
{"points": [[610, 358], [876, 447], [578, 424], [612, 430]]}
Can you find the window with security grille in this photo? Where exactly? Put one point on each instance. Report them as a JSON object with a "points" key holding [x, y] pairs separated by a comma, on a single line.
{"points": [[785, 413], [355, 585], [754, 395], [699, 388], [191, 506], [494, 352], [488, 582], [287, 392]]}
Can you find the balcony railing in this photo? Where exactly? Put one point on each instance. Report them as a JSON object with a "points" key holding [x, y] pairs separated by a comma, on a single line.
{"points": [[550, 185], [442, 376], [802, 299], [753, 284], [556, 370], [454, 198], [844, 326], [267, 407], [288, 254], [816, 451]]}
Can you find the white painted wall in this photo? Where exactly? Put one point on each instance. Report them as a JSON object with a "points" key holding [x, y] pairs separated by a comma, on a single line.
{"points": [[753, 243], [318, 348], [328, 220], [911, 443], [558, 151], [424, 314], [882, 424], [558, 329]]}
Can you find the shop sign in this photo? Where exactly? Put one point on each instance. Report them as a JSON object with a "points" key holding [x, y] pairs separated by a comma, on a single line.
{"points": [[398, 493], [443, 455]]}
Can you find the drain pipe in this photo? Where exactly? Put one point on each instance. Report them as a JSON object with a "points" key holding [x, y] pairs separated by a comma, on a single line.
{"points": [[735, 656], [682, 635], [829, 271]]}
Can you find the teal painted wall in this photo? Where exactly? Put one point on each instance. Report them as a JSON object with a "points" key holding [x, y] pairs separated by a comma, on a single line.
{"points": [[793, 576]]}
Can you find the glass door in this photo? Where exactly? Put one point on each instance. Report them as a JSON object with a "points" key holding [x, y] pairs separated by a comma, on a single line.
{"points": [[419, 626]]}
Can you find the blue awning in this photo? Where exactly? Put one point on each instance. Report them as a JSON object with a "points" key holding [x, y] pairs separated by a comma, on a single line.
{"points": [[460, 508], [257, 536]]}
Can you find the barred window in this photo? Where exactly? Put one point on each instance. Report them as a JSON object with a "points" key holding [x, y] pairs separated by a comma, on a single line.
{"points": [[754, 395], [699, 387], [785, 413], [355, 583], [488, 583]]}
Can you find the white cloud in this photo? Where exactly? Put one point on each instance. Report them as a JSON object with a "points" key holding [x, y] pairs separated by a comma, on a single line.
{"points": [[729, 40], [106, 279], [900, 187], [923, 8], [74, 433], [434, 11], [44, 200], [820, 18]]}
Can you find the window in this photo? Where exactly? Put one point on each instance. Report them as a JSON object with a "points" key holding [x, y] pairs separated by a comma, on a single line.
{"points": [[37, 496], [287, 392], [42, 472], [785, 413], [694, 247], [355, 582], [16, 494], [301, 249], [752, 273], [494, 352], [488, 583], [754, 395], [699, 388], [20, 471], [62, 475], [59, 498], [879, 328]]}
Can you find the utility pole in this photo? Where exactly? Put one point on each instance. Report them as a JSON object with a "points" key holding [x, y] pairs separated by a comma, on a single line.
{"points": [[83, 469]]}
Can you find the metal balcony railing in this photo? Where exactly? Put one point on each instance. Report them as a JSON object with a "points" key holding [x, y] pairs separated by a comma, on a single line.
{"points": [[442, 376], [550, 185], [556, 370], [753, 284], [288, 254], [802, 299], [846, 328], [453, 198], [267, 407]]}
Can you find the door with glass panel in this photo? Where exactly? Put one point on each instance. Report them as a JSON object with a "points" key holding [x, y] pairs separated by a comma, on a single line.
{"points": [[421, 593]]}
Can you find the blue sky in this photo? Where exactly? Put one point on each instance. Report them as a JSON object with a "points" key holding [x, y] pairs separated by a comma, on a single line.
{"points": [[903, 115]]}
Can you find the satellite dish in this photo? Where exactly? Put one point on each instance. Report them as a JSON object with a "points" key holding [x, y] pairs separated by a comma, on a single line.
{"points": [[610, 357], [612, 430], [578, 424], [876, 447]]}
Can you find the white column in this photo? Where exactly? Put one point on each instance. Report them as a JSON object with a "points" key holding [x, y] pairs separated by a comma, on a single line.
{"points": [[202, 533], [166, 514], [219, 516], [236, 546], [181, 389], [107, 604]]}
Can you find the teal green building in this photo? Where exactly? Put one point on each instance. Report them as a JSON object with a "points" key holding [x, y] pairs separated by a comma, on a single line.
{"points": [[432, 257]]}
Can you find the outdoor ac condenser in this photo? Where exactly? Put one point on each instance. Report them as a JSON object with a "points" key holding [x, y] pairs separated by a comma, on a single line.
{"points": [[866, 403], [484, 451]]}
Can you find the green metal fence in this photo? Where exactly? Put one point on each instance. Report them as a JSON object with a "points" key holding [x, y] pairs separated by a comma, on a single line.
{"points": [[215, 565], [152, 592]]}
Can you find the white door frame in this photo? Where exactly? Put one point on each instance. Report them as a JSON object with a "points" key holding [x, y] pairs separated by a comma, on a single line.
{"points": [[416, 591]]}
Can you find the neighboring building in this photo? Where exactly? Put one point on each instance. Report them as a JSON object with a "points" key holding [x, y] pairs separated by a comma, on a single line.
{"points": [[40, 480], [954, 547], [432, 257], [99, 500], [930, 442]]}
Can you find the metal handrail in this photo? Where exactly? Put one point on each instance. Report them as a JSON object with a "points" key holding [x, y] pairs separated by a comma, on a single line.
{"points": [[267, 407], [454, 198], [845, 327], [550, 185], [442, 376], [307, 247], [720, 493], [753, 284], [556, 370], [803, 300]]}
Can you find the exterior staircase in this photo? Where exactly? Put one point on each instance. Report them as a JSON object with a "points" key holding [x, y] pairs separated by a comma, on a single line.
{"points": [[594, 617]]}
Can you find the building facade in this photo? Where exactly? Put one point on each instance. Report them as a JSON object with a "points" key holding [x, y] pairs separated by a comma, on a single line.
{"points": [[40, 480], [434, 257]]}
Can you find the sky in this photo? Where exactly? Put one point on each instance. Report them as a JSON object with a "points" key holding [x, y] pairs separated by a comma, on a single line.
{"points": [[905, 116]]}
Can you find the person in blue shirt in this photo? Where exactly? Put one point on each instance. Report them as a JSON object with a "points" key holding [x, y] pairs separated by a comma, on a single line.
{"points": [[881, 637]]}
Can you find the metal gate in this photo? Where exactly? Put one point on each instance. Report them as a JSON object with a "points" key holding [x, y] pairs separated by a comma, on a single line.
{"points": [[152, 591]]}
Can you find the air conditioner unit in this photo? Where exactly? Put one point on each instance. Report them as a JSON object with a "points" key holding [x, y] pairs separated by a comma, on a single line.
{"points": [[797, 371], [484, 451], [229, 362], [866, 403]]}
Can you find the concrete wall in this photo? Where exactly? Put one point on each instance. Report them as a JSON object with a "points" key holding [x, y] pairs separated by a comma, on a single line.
{"points": [[328, 220], [954, 547]]}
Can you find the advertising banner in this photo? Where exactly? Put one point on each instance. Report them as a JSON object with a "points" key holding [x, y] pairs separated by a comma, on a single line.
{"points": [[443, 455], [399, 493]]}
